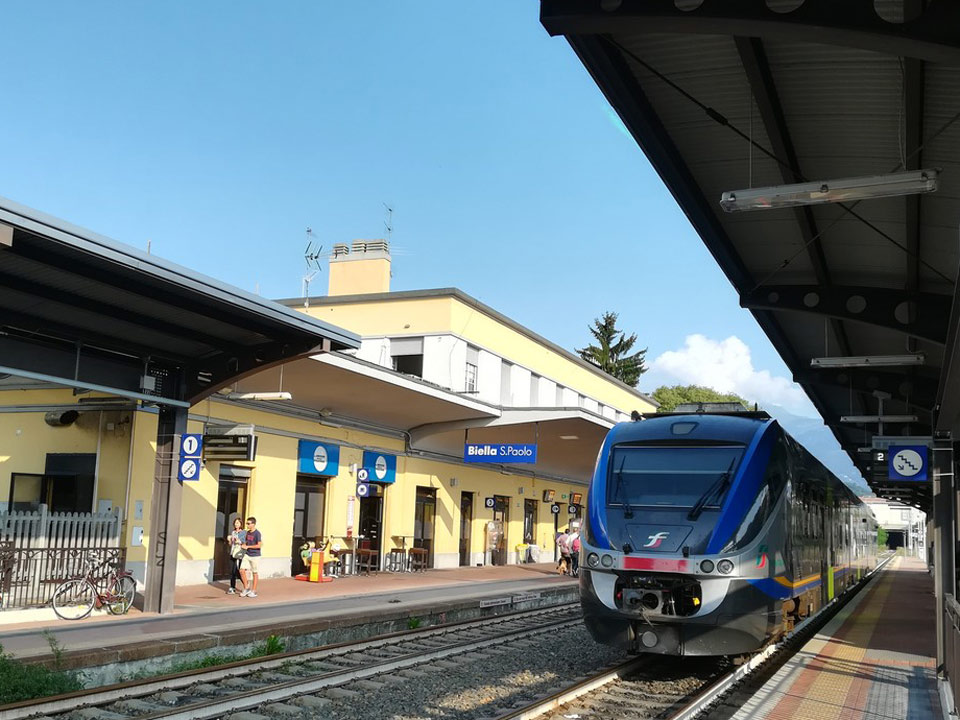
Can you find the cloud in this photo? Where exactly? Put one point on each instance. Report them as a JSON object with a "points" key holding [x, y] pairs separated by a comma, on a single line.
{"points": [[726, 366]]}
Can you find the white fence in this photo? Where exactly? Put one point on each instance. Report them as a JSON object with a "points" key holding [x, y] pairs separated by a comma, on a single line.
{"points": [[41, 529]]}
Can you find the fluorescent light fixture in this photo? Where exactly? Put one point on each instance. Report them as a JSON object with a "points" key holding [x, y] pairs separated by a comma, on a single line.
{"points": [[829, 191], [569, 437], [868, 361], [259, 396], [876, 419]]}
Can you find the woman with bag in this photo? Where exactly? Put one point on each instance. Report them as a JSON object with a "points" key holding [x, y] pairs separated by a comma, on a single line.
{"points": [[234, 544]]}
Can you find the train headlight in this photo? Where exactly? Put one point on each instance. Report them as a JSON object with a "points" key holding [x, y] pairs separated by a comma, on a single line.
{"points": [[593, 559], [725, 566], [707, 566], [606, 561]]}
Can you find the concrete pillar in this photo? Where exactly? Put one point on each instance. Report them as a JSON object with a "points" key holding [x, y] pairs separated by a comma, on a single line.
{"points": [[165, 505], [944, 535]]}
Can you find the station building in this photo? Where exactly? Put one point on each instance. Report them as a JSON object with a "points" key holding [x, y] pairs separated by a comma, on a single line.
{"points": [[436, 371]]}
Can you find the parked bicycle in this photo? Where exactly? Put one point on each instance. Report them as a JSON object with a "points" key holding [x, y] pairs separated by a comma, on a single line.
{"points": [[77, 598]]}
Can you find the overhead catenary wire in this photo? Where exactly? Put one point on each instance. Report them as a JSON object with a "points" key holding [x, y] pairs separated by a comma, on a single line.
{"points": [[721, 119]]}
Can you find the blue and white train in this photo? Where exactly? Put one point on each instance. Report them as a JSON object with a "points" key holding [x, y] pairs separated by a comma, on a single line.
{"points": [[711, 534]]}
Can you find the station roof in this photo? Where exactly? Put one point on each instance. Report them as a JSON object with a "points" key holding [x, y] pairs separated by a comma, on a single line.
{"points": [[81, 309], [724, 95]]}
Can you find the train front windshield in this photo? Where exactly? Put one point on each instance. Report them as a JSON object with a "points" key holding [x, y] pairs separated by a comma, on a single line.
{"points": [[684, 477]]}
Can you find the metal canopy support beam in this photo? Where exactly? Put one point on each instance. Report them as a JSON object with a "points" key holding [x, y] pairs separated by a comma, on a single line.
{"points": [[917, 391], [852, 23], [165, 506], [913, 137], [918, 314]]}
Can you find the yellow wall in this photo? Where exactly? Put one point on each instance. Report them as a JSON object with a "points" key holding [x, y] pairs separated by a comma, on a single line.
{"points": [[448, 314], [349, 276]]}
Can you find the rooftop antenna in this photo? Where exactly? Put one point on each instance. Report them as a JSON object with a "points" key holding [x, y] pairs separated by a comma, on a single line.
{"points": [[388, 223], [312, 258]]}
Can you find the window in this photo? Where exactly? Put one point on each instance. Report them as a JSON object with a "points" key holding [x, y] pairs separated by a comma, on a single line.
{"points": [[671, 476], [904, 514], [473, 363], [406, 355]]}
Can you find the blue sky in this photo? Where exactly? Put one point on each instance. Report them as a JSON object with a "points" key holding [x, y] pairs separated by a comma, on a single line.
{"points": [[221, 130]]}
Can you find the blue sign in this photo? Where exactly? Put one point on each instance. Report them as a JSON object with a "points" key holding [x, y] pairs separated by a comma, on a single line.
{"points": [[500, 453], [316, 458], [489, 503], [191, 449], [363, 490], [380, 467], [907, 463]]}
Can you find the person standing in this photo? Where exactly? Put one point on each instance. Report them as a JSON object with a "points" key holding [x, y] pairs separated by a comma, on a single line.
{"points": [[563, 542], [574, 539], [250, 565], [235, 541]]}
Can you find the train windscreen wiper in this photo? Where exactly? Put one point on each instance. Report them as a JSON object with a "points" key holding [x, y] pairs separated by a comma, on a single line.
{"points": [[627, 510], [719, 485]]}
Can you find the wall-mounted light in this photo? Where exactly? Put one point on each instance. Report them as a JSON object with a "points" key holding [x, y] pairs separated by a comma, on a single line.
{"points": [[830, 191], [569, 437]]}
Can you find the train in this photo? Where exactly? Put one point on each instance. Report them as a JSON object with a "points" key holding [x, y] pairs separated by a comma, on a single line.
{"points": [[714, 533]]}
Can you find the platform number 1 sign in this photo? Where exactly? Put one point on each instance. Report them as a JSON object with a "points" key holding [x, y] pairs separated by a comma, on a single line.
{"points": [[191, 449]]}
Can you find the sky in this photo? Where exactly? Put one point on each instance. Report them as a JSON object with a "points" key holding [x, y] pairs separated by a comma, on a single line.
{"points": [[220, 131]]}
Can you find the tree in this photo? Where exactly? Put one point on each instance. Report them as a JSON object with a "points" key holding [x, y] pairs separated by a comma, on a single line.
{"points": [[612, 352], [670, 397], [881, 537]]}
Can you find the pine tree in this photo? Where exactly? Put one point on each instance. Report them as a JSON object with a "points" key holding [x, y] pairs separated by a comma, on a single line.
{"points": [[611, 354]]}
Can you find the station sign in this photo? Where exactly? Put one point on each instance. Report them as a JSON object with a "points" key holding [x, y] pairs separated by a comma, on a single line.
{"points": [[317, 458], [555, 509], [572, 509], [380, 467], [907, 463], [500, 453], [489, 503], [191, 450]]}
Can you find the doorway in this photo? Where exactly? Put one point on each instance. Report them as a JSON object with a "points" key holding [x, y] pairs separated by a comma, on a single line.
{"points": [[424, 516], [370, 522], [530, 522], [231, 503], [466, 527], [308, 507], [501, 514]]}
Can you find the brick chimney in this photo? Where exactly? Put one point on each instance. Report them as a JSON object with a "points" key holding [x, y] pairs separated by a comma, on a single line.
{"points": [[362, 268]]}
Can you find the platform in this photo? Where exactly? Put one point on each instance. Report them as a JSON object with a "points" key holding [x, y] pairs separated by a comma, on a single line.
{"points": [[874, 661], [207, 618]]}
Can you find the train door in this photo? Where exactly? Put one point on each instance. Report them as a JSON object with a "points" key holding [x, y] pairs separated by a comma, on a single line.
{"points": [[501, 514], [466, 527]]}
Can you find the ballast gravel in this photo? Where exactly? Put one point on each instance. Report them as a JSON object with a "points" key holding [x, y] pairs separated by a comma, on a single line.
{"points": [[481, 684]]}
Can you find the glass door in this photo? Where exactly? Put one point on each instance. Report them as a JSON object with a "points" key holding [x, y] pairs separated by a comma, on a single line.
{"points": [[466, 527], [231, 503], [501, 514], [308, 506], [424, 516]]}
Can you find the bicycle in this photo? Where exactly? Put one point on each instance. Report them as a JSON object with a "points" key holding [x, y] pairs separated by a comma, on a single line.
{"points": [[76, 598]]}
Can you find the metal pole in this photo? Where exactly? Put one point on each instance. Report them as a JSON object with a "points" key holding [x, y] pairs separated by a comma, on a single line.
{"points": [[165, 506], [944, 523]]}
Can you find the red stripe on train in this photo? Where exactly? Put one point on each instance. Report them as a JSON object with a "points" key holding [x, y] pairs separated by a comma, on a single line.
{"points": [[658, 564]]}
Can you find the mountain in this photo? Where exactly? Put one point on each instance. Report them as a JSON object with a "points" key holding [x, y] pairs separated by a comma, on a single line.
{"points": [[817, 438]]}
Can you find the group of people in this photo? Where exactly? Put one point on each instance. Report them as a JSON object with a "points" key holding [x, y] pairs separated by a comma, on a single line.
{"points": [[568, 542], [244, 545]]}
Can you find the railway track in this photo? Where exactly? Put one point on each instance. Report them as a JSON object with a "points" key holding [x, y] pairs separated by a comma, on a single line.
{"points": [[299, 683], [649, 687]]}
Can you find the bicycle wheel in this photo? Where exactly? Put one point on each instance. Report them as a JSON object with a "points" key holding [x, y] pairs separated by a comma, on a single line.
{"points": [[122, 592], [74, 599]]}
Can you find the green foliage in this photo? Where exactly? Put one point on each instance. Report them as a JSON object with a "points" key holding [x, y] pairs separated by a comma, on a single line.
{"points": [[414, 623], [612, 353], [670, 397], [881, 537], [271, 646], [22, 681], [56, 649], [207, 661]]}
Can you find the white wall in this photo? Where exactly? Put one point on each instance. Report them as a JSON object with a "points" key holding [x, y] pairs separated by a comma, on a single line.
{"points": [[445, 361], [519, 387], [591, 405], [570, 398], [547, 396], [375, 350], [488, 377]]}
